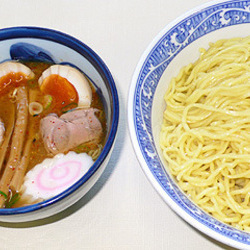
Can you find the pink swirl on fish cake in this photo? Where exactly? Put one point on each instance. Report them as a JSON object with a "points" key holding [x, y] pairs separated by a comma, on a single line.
{"points": [[62, 175], [55, 175]]}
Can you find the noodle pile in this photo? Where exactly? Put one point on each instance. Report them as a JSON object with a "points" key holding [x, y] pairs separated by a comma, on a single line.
{"points": [[205, 135]]}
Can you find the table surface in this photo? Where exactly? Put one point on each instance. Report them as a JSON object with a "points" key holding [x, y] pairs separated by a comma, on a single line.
{"points": [[122, 210]]}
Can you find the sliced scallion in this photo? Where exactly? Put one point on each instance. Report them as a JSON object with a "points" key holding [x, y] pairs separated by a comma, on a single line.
{"points": [[48, 99], [4, 194], [69, 107], [13, 200]]}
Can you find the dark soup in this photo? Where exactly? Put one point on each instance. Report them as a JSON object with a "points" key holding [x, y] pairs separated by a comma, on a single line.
{"points": [[52, 129]]}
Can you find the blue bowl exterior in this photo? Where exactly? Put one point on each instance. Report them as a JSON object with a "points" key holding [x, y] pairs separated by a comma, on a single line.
{"points": [[200, 23], [99, 65]]}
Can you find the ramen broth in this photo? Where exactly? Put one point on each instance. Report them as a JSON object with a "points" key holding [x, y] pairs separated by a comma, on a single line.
{"points": [[38, 151]]}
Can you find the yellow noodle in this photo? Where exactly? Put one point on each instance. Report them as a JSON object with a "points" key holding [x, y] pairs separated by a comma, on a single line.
{"points": [[205, 135]]}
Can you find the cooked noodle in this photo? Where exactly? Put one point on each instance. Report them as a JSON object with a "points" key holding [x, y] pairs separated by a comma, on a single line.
{"points": [[205, 135], [94, 153]]}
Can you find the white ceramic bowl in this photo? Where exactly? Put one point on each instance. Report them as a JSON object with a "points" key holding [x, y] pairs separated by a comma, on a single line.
{"points": [[33, 43], [174, 47]]}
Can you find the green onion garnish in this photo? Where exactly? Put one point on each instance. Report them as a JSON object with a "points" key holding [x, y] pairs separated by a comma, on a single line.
{"points": [[4, 194], [48, 101], [69, 107], [13, 200]]}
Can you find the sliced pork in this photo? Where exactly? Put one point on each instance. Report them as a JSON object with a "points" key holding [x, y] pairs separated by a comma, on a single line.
{"points": [[63, 133]]}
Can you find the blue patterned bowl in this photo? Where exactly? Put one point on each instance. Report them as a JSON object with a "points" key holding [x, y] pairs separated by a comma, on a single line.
{"points": [[39, 44], [177, 45]]}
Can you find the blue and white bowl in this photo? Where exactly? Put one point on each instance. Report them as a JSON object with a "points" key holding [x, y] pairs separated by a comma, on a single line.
{"points": [[33, 43], [174, 47]]}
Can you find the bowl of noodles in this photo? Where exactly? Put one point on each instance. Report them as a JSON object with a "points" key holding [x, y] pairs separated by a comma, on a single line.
{"points": [[188, 114], [59, 113]]}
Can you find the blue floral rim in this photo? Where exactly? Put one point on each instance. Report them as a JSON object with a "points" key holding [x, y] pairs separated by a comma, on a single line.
{"points": [[172, 42]]}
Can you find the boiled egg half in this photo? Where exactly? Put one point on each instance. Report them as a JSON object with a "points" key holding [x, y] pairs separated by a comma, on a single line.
{"points": [[67, 85], [13, 72]]}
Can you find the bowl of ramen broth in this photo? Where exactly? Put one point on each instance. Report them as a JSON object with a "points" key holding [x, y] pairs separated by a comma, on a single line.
{"points": [[59, 116]]}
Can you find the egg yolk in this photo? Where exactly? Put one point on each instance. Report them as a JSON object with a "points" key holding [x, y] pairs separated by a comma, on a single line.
{"points": [[62, 91], [11, 79]]}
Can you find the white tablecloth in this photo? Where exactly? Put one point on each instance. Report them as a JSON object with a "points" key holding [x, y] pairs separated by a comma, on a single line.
{"points": [[122, 211]]}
